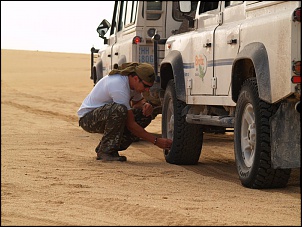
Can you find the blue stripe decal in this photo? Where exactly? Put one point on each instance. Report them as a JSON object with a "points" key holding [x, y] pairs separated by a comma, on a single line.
{"points": [[221, 62], [224, 62], [188, 65]]}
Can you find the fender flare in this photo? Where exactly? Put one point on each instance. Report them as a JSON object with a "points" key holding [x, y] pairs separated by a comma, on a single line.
{"points": [[172, 68], [252, 55]]}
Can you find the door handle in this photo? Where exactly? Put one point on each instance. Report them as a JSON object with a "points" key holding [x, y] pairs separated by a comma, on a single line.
{"points": [[232, 41], [207, 45]]}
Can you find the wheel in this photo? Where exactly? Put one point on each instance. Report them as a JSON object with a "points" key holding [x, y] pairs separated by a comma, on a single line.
{"points": [[187, 138], [252, 141]]}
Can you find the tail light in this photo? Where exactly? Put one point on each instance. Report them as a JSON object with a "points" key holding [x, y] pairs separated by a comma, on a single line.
{"points": [[296, 78], [137, 39]]}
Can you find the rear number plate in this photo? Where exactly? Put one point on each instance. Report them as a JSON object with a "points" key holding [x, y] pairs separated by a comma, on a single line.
{"points": [[146, 54]]}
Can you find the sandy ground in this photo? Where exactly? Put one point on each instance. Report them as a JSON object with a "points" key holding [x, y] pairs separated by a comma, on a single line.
{"points": [[49, 174]]}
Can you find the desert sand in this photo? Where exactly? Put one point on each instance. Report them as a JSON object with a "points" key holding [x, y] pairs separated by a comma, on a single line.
{"points": [[50, 175]]}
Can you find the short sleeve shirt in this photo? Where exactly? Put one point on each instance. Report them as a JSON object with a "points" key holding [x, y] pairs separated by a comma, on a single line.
{"points": [[113, 88]]}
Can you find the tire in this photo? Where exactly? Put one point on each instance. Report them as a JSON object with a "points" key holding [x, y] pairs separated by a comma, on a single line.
{"points": [[99, 71], [187, 138], [94, 77], [252, 141]]}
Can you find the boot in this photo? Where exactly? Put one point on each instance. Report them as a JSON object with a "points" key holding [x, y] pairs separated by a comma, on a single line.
{"points": [[110, 157]]}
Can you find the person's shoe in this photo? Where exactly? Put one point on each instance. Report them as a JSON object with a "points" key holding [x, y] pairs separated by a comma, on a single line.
{"points": [[108, 157], [115, 154]]}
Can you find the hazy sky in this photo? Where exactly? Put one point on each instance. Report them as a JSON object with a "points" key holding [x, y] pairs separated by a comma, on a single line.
{"points": [[57, 26]]}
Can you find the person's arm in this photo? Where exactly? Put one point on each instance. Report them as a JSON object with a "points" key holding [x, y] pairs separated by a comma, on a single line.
{"points": [[140, 132], [144, 105], [138, 104]]}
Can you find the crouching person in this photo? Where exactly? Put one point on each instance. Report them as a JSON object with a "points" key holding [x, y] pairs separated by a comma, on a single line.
{"points": [[115, 107]]}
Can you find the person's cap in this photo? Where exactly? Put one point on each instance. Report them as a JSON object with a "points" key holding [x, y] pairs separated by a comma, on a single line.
{"points": [[146, 72]]}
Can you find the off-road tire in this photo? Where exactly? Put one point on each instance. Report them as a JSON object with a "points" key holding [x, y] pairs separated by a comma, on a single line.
{"points": [[252, 141], [187, 138]]}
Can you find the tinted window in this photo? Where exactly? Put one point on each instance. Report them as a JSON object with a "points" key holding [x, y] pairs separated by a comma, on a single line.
{"points": [[207, 6], [153, 5]]}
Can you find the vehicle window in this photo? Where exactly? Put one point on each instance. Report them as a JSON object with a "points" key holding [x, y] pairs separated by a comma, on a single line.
{"points": [[131, 7], [207, 6], [153, 5], [121, 16], [231, 3]]}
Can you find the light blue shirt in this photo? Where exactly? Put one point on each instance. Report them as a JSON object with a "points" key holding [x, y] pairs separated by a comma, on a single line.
{"points": [[113, 88]]}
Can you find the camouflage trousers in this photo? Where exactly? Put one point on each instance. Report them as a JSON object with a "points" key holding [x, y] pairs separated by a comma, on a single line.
{"points": [[110, 120]]}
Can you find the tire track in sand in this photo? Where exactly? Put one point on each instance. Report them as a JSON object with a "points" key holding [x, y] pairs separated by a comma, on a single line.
{"points": [[68, 118]]}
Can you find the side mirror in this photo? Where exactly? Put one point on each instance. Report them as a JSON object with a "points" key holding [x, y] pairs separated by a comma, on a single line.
{"points": [[103, 28], [185, 6]]}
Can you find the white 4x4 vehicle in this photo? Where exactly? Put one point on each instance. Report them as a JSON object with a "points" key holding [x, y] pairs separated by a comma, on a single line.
{"points": [[223, 64], [136, 30], [238, 67]]}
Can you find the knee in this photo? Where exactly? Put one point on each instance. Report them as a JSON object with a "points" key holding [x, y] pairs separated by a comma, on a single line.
{"points": [[119, 110]]}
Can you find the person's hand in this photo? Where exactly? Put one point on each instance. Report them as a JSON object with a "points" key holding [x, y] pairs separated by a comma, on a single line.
{"points": [[164, 143], [147, 109]]}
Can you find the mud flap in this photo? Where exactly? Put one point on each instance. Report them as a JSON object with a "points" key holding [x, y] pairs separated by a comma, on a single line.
{"points": [[286, 137]]}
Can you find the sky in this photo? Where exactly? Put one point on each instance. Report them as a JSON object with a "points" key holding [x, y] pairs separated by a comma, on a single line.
{"points": [[53, 26]]}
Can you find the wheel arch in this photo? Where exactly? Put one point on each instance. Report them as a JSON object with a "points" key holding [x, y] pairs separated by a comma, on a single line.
{"points": [[252, 61], [172, 68]]}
